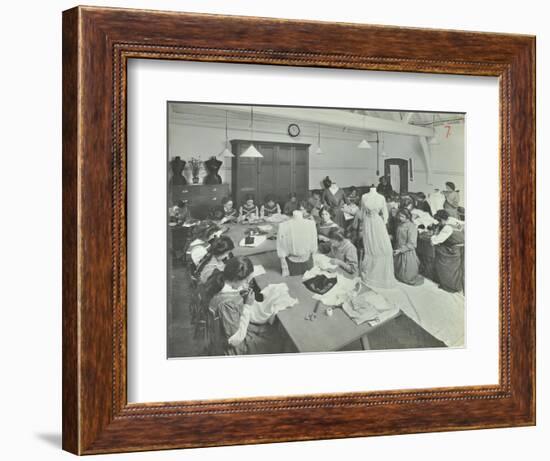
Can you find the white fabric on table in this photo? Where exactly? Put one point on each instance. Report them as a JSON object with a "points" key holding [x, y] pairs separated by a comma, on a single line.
{"points": [[339, 292], [276, 298], [439, 312]]}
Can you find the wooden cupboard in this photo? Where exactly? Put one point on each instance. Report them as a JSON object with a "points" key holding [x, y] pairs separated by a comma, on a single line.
{"points": [[283, 169]]}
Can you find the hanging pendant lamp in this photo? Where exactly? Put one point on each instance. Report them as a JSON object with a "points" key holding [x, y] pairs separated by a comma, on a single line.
{"points": [[252, 152], [319, 151], [364, 144], [226, 152], [384, 153]]}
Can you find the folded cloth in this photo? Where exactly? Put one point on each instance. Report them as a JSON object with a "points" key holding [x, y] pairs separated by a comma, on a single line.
{"points": [[276, 298], [369, 306]]}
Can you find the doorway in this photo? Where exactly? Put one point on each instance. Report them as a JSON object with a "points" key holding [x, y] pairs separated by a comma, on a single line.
{"points": [[397, 170]]}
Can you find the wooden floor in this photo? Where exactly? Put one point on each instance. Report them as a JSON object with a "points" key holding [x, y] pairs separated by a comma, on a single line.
{"points": [[400, 333]]}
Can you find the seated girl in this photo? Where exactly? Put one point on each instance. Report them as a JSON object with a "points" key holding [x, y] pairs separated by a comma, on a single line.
{"points": [[353, 196], [405, 260], [292, 205], [269, 208], [180, 212], [248, 210], [203, 234], [229, 213], [351, 206], [449, 254], [422, 203], [314, 204], [231, 308], [217, 255], [324, 226], [343, 252]]}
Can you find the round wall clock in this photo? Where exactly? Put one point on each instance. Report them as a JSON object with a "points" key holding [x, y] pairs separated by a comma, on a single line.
{"points": [[293, 130]]}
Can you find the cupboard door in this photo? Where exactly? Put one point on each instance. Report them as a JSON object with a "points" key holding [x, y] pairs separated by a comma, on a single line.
{"points": [[267, 181], [301, 172], [284, 172], [246, 175]]}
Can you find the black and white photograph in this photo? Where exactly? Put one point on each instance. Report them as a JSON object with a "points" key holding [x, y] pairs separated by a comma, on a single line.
{"points": [[313, 229]]}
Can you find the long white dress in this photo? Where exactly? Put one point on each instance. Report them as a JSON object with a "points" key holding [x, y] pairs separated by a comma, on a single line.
{"points": [[377, 266]]}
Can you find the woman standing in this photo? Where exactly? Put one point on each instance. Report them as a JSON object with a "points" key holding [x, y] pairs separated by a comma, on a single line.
{"points": [[230, 308], [452, 199], [377, 267], [449, 254], [405, 259], [334, 198]]}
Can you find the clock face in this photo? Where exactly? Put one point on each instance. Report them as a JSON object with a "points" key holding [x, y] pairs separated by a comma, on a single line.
{"points": [[293, 130]]}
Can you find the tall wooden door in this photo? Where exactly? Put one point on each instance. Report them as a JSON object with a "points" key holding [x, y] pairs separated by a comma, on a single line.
{"points": [[397, 170], [283, 169]]}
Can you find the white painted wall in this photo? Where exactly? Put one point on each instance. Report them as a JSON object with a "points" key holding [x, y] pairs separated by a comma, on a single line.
{"points": [[199, 135]]}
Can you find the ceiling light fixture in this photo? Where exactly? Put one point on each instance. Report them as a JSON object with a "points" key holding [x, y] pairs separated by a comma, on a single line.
{"points": [[319, 151], [226, 152], [252, 152], [364, 144]]}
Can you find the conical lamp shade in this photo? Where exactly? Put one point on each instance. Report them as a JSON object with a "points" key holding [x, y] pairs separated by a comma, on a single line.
{"points": [[252, 152], [364, 144], [319, 151], [227, 153]]}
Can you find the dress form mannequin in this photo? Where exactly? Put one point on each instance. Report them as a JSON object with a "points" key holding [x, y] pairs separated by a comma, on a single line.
{"points": [[296, 243], [377, 269]]}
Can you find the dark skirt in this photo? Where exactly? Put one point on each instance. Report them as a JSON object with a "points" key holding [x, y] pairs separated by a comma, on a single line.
{"points": [[299, 268], [449, 267], [406, 266]]}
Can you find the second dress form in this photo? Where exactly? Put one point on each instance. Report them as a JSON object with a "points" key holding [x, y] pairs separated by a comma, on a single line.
{"points": [[377, 267]]}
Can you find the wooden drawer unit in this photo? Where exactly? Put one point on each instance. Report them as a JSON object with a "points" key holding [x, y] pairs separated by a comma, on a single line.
{"points": [[201, 197]]}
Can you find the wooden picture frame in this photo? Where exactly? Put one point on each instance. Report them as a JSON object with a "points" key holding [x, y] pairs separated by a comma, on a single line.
{"points": [[97, 43]]}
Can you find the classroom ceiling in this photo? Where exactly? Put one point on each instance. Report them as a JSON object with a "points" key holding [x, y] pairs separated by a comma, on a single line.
{"points": [[402, 122]]}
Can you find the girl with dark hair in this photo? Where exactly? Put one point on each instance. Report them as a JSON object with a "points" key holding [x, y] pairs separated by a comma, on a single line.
{"points": [[314, 204], [343, 252], [203, 234], [405, 260], [452, 199], [353, 196], [229, 213], [333, 198], [449, 254], [180, 212], [292, 205], [422, 203], [324, 226], [216, 257], [248, 210], [230, 305], [270, 207], [384, 186]]}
